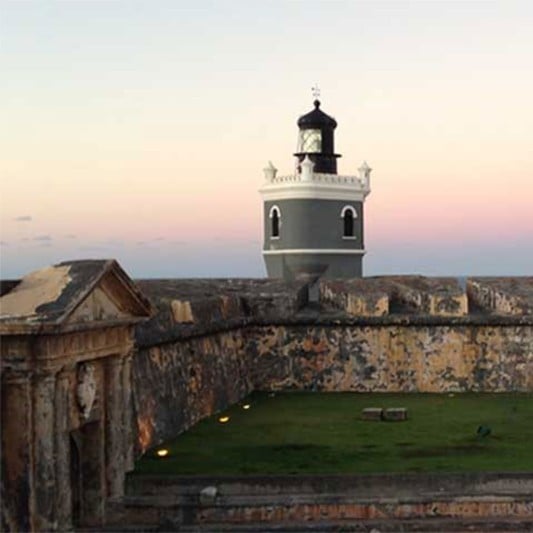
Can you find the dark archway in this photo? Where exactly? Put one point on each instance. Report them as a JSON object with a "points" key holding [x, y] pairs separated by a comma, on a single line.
{"points": [[87, 475]]}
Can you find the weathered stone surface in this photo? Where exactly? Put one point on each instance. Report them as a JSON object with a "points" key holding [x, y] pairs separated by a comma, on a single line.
{"points": [[433, 296], [289, 500], [208, 495], [513, 296], [70, 292], [210, 344], [66, 332], [396, 358], [372, 414], [177, 384], [181, 311], [395, 414], [188, 308], [358, 297], [381, 295]]}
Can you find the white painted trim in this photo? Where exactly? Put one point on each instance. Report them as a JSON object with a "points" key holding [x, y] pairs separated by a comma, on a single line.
{"points": [[349, 237], [316, 251], [271, 212], [312, 192], [274, 238], [349, 208]]}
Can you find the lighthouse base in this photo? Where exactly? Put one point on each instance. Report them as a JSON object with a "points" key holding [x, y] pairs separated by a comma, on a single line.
{"points": [[312, 265]]}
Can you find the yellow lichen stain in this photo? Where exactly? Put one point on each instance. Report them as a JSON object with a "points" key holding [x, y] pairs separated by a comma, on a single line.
{"points": [[360, 306], [145, 426], [268, 342], [36, 289], [181, 311], [321, 345]]}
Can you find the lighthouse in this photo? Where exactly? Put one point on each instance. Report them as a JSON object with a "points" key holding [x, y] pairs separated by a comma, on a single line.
{"points": [[313, 218]]}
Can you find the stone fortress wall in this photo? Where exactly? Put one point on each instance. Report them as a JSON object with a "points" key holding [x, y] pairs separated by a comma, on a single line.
{"points": [[97, 369], [212, 342]]}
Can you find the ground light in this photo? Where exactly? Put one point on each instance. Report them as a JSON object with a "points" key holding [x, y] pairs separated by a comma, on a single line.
{"points": [[246, 406], [163, 452], [223, 419]]}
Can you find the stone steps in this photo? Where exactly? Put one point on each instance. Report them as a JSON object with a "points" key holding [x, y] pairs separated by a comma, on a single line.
{"points": [[449, 502], [422, 525], [262, 513]]}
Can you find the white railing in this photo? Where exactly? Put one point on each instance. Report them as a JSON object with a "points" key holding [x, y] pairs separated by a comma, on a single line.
{"points": [[316, 177]]}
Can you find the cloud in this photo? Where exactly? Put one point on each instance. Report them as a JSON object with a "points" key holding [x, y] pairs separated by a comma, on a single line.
{"points": [[70, 236], [23, 218], [43, 238], [4, 243]]}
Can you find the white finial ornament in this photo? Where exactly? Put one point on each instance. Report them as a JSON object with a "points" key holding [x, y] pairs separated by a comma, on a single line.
{"points": [[364, 173], [270, 171], [316, 92], [307, 169]]}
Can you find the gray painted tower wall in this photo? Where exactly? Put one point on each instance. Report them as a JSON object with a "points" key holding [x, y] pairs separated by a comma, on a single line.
{"points": [[307, 223]]}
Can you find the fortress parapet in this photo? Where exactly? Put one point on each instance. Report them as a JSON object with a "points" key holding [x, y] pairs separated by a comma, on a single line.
{"points": [[384, 295], [512, 296]]}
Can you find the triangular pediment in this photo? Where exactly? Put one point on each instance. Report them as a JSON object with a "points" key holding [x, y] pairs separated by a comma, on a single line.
{"points": [[113, 298], [97, 306]]}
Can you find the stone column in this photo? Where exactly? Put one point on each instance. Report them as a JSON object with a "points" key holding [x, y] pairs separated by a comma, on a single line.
{"points": [[44, 440], [63, 491], [127, 412], [17, 452], [114, 426]]}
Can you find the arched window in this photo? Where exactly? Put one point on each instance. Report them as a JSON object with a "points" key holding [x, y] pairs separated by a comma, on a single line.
{"points": [[348, 215], [275, 221]]}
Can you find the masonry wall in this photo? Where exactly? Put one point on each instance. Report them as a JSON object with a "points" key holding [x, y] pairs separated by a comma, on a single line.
{"points": [[178, 383], [212, 342], [395, 358]]}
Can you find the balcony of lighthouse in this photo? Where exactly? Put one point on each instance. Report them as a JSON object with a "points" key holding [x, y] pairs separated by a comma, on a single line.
{"points": [[357, 183]]}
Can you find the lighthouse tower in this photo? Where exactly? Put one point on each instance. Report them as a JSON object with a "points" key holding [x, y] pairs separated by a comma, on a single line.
{"points": [[313, 219]]}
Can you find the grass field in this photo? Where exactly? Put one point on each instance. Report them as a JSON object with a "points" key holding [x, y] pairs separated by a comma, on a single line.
{"points": [[305, 432]]}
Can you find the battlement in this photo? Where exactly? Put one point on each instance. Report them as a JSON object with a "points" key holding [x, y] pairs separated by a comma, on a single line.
{"points": [[192, 307], [419, 295]]}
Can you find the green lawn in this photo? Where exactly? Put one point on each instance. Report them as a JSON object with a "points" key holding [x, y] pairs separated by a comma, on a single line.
{"points": [[305, 432]]}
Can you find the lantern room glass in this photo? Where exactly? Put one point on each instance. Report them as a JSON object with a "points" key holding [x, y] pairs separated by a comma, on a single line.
{"points": [[310, 141]]}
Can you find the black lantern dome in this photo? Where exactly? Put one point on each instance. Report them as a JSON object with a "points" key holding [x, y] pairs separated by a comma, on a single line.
{"points": [[316, 140], [316, 119]]}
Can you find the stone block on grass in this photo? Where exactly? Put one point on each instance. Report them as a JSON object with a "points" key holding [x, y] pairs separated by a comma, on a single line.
{"points": [[372, 413], [395, 414]]}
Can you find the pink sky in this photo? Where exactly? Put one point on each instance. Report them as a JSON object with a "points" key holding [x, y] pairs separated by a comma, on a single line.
{"points": [[142, 133]]}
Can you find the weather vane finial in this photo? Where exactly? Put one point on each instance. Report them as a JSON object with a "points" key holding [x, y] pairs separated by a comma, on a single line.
{"points": [[316, 91]]}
